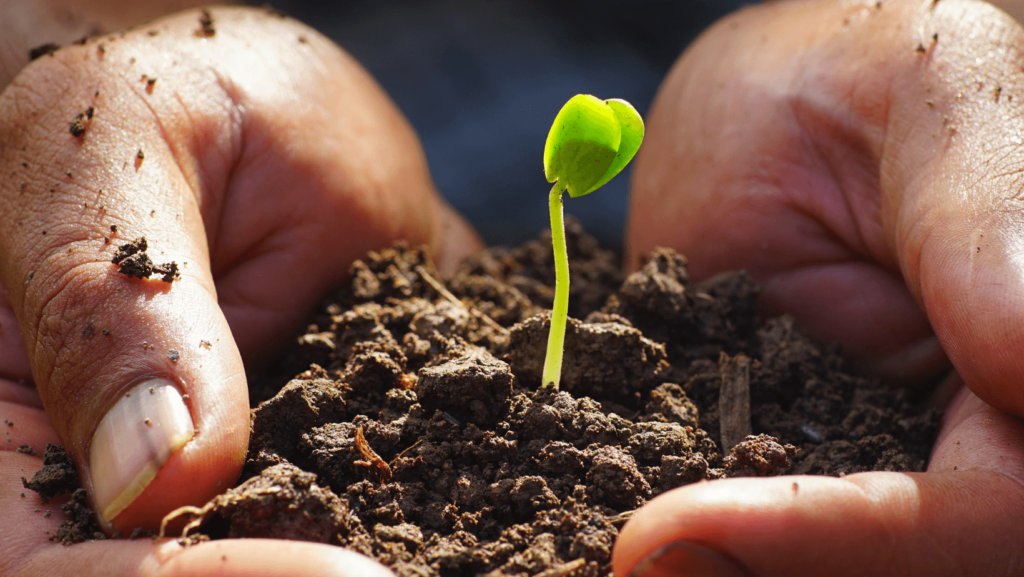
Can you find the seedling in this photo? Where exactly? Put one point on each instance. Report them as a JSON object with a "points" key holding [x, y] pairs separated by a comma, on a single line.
{"points": [[590, 142]]}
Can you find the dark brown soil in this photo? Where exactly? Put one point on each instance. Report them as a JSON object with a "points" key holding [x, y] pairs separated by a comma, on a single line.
{"points": [[410, 426], [59, 476], [132, 261], [81, 122], [42, 50], [206, 28], [477, 471]]}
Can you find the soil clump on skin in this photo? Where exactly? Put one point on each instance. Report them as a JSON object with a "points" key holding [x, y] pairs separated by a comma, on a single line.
{"points": [[132, 261], [59, 476], [411, 426]]}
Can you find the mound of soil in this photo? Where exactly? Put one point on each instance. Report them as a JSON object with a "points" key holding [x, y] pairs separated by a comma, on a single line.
{"points": [[416, 431], [411, 426]]}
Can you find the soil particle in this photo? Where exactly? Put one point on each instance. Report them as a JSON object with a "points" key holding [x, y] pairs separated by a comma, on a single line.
{"points": [[132, 261], [57, 476], [26, 450], [42, 50], [758, 456], [206, 29], [613, 478], [677, 471], [668, 403], [81, 524], [473, 388], [693, 321], [284, 502], [81, 122], [310, 401]]}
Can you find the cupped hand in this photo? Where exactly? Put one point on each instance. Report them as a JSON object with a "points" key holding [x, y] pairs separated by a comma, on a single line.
{"points": [[863, 160], [258, 157]]}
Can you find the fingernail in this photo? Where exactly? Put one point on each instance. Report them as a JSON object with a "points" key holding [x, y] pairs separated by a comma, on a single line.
{"points": [[146, 426], [686, 559]]}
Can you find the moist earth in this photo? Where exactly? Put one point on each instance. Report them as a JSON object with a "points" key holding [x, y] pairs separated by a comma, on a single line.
{"points": [[411, 427]]}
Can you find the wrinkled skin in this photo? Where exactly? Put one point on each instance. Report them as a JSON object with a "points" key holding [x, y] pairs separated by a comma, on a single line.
{"points": [[871, 188]]}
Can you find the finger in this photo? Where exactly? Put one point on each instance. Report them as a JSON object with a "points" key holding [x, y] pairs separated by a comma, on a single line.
{"points": [[271, 559], [227, 558], [219, 144], [954, 225], [841, 160], [960, 518], [118, 361]]}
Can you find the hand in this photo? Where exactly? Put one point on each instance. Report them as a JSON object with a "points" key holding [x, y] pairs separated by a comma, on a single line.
{"points": [[863, 161], [263, 161]]}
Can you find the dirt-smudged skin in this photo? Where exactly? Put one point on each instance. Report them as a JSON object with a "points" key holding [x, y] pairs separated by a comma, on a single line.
{"points": [[487, 473]]}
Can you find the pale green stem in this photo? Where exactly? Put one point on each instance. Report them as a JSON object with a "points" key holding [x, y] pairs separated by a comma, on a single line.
{"points": [[560, 309]]}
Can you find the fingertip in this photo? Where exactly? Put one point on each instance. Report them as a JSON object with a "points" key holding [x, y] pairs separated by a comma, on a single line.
{"points": [[870, 523], [134, 439], [270, 558]]}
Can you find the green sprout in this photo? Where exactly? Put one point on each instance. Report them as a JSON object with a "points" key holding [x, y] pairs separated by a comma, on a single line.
{"points": [[590, 142]]}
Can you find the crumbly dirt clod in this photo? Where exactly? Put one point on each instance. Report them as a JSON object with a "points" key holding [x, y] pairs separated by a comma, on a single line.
{"points": [[284, 502], [132, 261], [758, 456], [473, 388], [410, 426], [206, 28], [57, 476], [42, 50], [81, 524]]}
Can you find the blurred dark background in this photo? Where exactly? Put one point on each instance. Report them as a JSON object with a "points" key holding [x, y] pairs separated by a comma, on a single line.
{"points": [[482, 80]]}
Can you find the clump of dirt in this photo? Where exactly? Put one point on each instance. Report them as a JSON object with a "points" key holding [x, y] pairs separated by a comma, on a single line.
{"points": [[206, 28], [132, 261], [58, 475], [81, 122], [80, 526], [411, 427], [42, 50]]}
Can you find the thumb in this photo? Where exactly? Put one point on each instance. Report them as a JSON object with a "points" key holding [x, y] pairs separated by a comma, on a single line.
{"points": [[960, 518], [951, 194], [140, 376]]}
